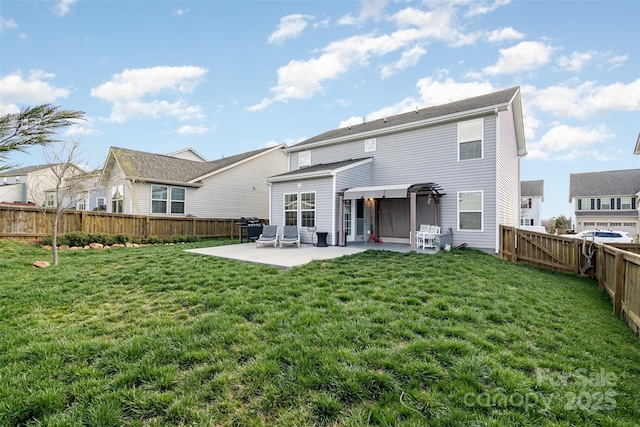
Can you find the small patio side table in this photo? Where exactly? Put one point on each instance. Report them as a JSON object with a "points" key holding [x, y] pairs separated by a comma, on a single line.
{"points": [[322, 239]]}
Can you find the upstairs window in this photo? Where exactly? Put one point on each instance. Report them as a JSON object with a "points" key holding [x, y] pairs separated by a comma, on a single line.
{"points": [[117, 199], [304, 158], [470, 139], [525, 203], [370, 145]]}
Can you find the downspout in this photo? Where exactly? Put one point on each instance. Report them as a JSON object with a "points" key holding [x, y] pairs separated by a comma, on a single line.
{"points": [[496, 243], [412, 220], [269, 185], [333, 208]]}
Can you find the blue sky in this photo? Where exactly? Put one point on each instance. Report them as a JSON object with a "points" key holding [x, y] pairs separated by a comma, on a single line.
{"points": [[224, 77]]}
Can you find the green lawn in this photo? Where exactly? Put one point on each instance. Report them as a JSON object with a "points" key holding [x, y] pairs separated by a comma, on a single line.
{"points": [[160, 337]]}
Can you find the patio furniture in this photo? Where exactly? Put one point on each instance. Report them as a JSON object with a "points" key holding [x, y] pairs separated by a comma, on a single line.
{"points": [[291, 236], [322, 239], [420, 234], [269, 236], [429, 238]]}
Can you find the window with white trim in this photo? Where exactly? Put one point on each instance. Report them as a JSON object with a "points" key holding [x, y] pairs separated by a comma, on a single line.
{"points": [[470, 139], [291, 209], [167, 200], [308, 209], [304, 158], [625, 203], [370, 144], [51, 201], [117, 199], [470, 210], [525, 203]]}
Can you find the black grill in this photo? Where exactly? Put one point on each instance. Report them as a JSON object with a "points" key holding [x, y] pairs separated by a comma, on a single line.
{"points": [[250, 226]]}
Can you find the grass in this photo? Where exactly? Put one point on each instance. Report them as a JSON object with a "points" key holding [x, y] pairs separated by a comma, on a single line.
{"points": [[155, 336]]}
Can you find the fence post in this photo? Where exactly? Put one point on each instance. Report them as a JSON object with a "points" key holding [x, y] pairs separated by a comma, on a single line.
{"points": [[619, 282], [576, 256], [601, 267]]}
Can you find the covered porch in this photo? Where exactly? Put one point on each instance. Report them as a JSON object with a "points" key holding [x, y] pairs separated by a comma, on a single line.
{"points": [[391, 213]]}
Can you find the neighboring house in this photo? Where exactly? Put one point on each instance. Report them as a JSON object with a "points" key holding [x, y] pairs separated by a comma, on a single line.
{"points": [[531, 198], [606, 200], [31, 184], [455, 165], [83, 192], [185, 183]]}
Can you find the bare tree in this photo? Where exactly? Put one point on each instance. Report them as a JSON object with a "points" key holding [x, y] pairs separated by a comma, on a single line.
{"points": [[33, 126], [63, 160]]}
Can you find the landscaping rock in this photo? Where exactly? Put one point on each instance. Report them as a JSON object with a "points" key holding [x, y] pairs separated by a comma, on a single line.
{"points": [[47, 247], [96, 245], [41, 264], [63, 247]]}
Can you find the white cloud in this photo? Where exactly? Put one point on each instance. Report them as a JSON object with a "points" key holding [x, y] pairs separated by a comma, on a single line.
{"points": [[587, 99], [16, 89], [303, 79], [617, 61], [576, 61], [564, 142], [126, 91], [504, 34], [180, 12], [348, 19], [409, 58], [63, 7], [484, 7], [7, 24], [436, 93], [269, 144], [525, 56], [290, 27], [192, 130]]}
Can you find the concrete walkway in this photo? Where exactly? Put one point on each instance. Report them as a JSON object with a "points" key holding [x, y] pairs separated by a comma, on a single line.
{"points": [[291, 256]]}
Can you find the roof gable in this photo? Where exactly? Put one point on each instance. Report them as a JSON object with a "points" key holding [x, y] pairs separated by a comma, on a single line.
{"points": [[149, 167]]}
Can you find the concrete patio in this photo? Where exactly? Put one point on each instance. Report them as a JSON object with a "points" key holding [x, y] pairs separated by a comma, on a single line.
{"points": [[291, 256]]}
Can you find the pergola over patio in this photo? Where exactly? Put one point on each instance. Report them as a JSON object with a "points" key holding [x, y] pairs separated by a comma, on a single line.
{"points": [[432, 191]]}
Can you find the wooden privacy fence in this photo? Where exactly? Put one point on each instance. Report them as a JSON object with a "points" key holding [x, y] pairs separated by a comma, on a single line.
{"points": [[616, 267], [33, 223]]}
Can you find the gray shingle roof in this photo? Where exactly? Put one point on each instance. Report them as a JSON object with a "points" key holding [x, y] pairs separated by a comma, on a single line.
{"points": [[25, 170], [143, 166], [320, 167], [493, 99], [532, 188], [608, 183]]}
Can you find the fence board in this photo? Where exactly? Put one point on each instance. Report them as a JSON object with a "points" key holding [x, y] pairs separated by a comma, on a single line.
{"points": [[34, 223]]}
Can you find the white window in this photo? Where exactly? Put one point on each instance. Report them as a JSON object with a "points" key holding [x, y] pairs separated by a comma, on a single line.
{"points": [[308, 209], [101, 204], [291, 209], [167, 200], [525, 203], [625, 203], [470, 139], [177, 200], [51, 201], [82, 205], [117, 199], [470, 210], [304, 158], [370, 144], [605, 204]]}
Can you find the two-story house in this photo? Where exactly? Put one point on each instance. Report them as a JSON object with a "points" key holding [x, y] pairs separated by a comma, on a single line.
{"points": [[185, 183], [606, 200], [33, 184], [531, 198], [455, 165]]}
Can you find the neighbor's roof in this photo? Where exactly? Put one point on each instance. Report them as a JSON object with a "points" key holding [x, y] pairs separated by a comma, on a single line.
{"points": [[150, 167], [532, 188], [478, 103], [25, 170], [637, 151], [609, 183]]}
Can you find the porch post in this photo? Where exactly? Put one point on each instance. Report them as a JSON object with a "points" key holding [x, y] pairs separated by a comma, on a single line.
{"points": [[412, 220], [341, 220]]}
